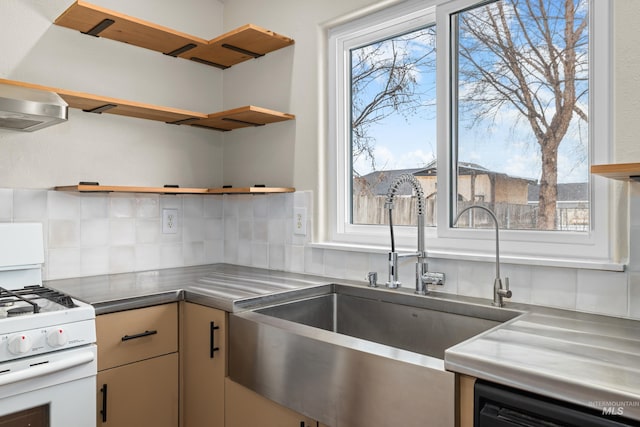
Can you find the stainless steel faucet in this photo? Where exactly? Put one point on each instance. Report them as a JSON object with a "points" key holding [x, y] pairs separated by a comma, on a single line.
{"points": [[499, 292], [423, 278]]}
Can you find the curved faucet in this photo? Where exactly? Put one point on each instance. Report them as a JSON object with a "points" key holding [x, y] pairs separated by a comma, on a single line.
{"points": [[499, 292], [421, 264]]}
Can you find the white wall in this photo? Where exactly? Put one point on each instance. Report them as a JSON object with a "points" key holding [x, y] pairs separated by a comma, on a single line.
{"points": [[289, 80], [107, 148]]}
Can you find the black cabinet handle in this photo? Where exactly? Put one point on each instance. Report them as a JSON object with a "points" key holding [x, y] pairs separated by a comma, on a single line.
{"points": [[103, 411], [140, 335], [212, 347]]}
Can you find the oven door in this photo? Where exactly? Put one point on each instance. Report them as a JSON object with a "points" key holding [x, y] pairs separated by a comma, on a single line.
{"points": [[51, 390]]}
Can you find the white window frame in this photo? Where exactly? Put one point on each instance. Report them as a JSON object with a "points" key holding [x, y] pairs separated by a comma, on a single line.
{"points": [[592, 249]]}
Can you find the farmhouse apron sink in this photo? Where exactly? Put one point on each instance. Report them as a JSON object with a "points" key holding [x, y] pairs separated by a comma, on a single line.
{"points": [[356, 356]]}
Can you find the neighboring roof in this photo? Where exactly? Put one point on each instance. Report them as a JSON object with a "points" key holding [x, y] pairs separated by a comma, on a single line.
{"points": [[567, 192], [378, 182]]}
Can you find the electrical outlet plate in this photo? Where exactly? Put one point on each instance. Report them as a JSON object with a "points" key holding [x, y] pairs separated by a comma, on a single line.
{"points": [[300, 221], [169, 221]]}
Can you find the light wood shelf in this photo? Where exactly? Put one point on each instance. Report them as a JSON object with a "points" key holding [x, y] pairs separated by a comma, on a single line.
{"points": [[242, 44], [96, 188], [247, 116], [619, 171]]}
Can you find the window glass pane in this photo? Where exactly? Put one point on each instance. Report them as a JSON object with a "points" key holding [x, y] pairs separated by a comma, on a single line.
{"points": [[393, 126], [521, 119]]}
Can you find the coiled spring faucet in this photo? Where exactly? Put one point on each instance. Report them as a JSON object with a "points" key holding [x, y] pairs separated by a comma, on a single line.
{"points": [[421, 264]]}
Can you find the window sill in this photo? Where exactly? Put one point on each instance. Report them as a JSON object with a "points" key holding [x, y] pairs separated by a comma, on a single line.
{"points": [[465, 256]]}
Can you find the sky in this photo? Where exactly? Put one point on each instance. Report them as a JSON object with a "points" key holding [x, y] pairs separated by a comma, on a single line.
{"points": [[507, 146]]}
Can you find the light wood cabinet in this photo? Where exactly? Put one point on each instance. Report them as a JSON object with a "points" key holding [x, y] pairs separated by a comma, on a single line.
{"points": [[245, 408], [141, 394], [204, 365], [137, 382], [465, 400]]}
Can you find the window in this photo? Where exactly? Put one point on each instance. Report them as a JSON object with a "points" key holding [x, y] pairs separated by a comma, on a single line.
{"points": [[500, 103]]}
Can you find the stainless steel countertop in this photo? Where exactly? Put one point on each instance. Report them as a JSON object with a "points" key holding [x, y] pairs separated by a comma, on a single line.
{"points": [[227, 287], [586, 359]]}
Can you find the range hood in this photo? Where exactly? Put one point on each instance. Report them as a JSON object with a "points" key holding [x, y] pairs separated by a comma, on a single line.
{"points": [[25, 109]]}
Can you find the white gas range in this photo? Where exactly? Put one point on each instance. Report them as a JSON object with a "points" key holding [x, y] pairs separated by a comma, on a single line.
{"points": [[47, 341]]}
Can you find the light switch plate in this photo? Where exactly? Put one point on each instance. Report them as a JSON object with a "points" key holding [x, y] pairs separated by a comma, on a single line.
{"points": [[169, 221], [300, 221]]}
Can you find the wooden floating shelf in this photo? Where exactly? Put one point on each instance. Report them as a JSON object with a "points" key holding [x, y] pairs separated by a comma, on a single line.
{"points": [[248, 116], [93, 188], [619, 171], [242, 44], [251, 190]]}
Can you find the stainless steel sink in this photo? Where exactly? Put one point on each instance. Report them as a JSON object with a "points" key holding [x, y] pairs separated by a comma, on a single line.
{"points": [[356, 356]]}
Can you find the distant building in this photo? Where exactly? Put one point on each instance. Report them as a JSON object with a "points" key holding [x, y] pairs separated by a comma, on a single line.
{"points": [[475, 184]]}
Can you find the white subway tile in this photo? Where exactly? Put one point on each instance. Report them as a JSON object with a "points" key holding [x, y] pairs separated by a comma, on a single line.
{"points": [[554, 287], [245, 229], [519, 281], [148, 231], [335, 264], [122, 259], [260, 255], [94, 232], [213, 251], [244, 253], [213, 206], [294, 258], [94, 206], [147, 206], [475, 279], [260, 207], [277, 206], [261, 230], [356, 265], [231, 251], [193, 230], [64, 233], [602, 292], [122, 231], [634, 295], [63, 205], [314, 260], [122, 206], [63, 263], [147, 257], [6, 204], [276, 230], [214, 229], [193, 206], [171, 255], [193, 253], [29, 205], [94, 261], [276, 257]]}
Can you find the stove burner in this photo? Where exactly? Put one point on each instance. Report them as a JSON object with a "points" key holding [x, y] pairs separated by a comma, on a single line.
{"points": [[19, 311], [35, 297]]}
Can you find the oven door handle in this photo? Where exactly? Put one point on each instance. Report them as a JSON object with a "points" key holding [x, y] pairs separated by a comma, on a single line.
{"points": [[47, 368]]}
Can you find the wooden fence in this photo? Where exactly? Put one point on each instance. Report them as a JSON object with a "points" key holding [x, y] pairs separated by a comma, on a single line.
{"points": [[370, 210]]}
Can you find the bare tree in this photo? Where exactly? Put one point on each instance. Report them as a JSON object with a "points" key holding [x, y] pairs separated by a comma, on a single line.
{"points": [[384, 81], [531, 56]]}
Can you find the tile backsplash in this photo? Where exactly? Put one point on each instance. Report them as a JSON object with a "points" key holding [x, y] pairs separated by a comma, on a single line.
{"points": [[93, 234]]}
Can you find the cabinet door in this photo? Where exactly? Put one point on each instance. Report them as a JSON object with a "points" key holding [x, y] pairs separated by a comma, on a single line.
{"points": [[141, 394], [133, 335], [246, 408], [204, 367], [465, 400]]}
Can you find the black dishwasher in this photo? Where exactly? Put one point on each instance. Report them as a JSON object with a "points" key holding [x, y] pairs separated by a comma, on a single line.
{"points": [[499, 406]]}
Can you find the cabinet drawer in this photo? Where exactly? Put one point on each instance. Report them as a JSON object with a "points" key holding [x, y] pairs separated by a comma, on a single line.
{"points": [[133, 335]]}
